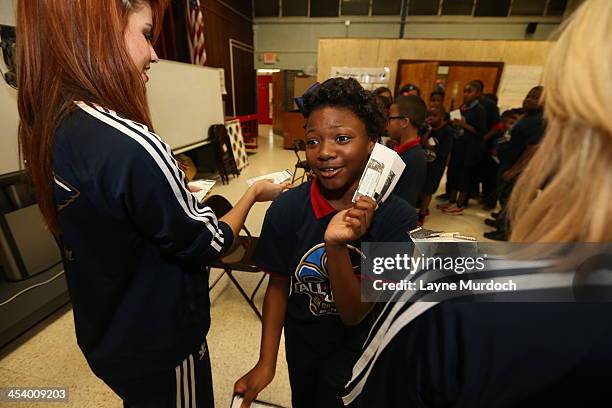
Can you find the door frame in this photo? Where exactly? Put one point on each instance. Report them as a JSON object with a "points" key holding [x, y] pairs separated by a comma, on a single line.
{"points": [[244, 47], [499, 65], [268, 101]]}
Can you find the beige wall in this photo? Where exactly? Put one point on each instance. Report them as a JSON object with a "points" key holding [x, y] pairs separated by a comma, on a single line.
{"points": [[378, 53], [7, 12], [295, 39]]}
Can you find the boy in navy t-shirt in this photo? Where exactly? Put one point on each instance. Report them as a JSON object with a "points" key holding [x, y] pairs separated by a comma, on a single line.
{"points": [[490, 162], [515, 152], [440, 143], [483, 171], [310, 246], [466, 150], [406, 118], [436, 99]]}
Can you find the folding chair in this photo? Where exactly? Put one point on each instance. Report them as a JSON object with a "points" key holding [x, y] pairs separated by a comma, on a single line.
{"points": [[300, 145], [239, 257], [226, 163]]}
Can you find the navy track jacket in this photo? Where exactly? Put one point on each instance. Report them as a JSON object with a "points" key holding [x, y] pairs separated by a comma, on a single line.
{"points": [[135, 243]]}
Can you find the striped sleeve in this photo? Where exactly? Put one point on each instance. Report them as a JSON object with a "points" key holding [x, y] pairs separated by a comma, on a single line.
{"points": [[144, 177]]}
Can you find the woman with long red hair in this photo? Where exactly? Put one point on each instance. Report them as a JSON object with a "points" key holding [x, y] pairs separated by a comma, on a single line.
{"points": [[134, 239]]}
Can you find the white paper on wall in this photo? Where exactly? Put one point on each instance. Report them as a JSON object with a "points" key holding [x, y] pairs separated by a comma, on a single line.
{"points": [[369, 78], [516, 81]]}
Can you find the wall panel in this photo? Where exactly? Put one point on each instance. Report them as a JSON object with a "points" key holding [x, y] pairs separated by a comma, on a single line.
{"points": [[376, 53], [220, 25]]}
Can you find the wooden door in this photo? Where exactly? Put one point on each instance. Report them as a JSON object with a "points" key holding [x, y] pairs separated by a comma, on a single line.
{"points": [[278, 100], [243, 82], [459, 75], [421, 74], [264, 112]]}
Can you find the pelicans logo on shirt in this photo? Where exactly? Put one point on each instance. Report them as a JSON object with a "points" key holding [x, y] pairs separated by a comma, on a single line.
{"points": [[312, 279]]}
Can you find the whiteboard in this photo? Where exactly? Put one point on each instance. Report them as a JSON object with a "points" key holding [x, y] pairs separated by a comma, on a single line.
{"points": [[516, 82], [8, 11], [9, 120], [184, 100]]}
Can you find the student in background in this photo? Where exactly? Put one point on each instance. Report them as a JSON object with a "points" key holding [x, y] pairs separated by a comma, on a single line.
{"points": [[490, 162], [515, 153], [409, 89], [436, 99], [465, 154], [310, 243], [491, 96], [384, 92], [385, 97], [489, 103], [406, 119], [439, 143]]}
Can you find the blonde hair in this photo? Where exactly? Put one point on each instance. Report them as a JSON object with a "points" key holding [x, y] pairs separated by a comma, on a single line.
{"points": [[565, 192]]}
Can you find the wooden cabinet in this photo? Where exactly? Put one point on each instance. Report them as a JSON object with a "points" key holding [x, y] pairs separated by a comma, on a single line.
{"points": [[286, 122], [293, 128]]}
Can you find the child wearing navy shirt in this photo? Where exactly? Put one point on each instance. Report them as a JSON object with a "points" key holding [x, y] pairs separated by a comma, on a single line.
{"points": [[406, 118], [515, 152], [466, 150], [436, 99], [490, 162], [310, 246], [483, 171], [440, 142]]}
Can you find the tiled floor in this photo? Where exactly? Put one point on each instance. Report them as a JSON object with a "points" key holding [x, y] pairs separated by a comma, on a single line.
{"points": [[48, 355]]}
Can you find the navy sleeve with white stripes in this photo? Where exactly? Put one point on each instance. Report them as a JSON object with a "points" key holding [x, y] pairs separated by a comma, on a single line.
{"points": [[145, 180]]}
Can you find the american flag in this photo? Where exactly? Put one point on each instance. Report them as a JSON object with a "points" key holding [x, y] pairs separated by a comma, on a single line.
{"points": [[195, 32]]}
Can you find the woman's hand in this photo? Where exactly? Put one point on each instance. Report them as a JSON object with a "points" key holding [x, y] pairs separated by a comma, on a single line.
{"points": [[350, 225], [251, 384], [266, 190]]}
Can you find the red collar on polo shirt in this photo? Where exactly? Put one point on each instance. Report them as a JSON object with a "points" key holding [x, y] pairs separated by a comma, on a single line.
{"points": [[408, 145], [320, 205]]}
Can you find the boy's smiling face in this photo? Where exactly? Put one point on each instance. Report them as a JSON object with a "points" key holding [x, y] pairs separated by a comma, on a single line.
{"points": [[337, 149]]}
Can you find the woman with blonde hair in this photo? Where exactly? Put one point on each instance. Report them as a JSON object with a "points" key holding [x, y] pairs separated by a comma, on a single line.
{"points": [[564, 193], [496, 349], [135, 240]]}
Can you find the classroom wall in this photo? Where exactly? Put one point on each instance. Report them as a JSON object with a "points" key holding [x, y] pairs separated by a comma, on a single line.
{"points": [[9, 119], [7, 12], [295, 40], [225, 20], [522, 59]]}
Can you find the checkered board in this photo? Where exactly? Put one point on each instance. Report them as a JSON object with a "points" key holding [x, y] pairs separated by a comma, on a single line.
{"points": [[238, 149]]}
